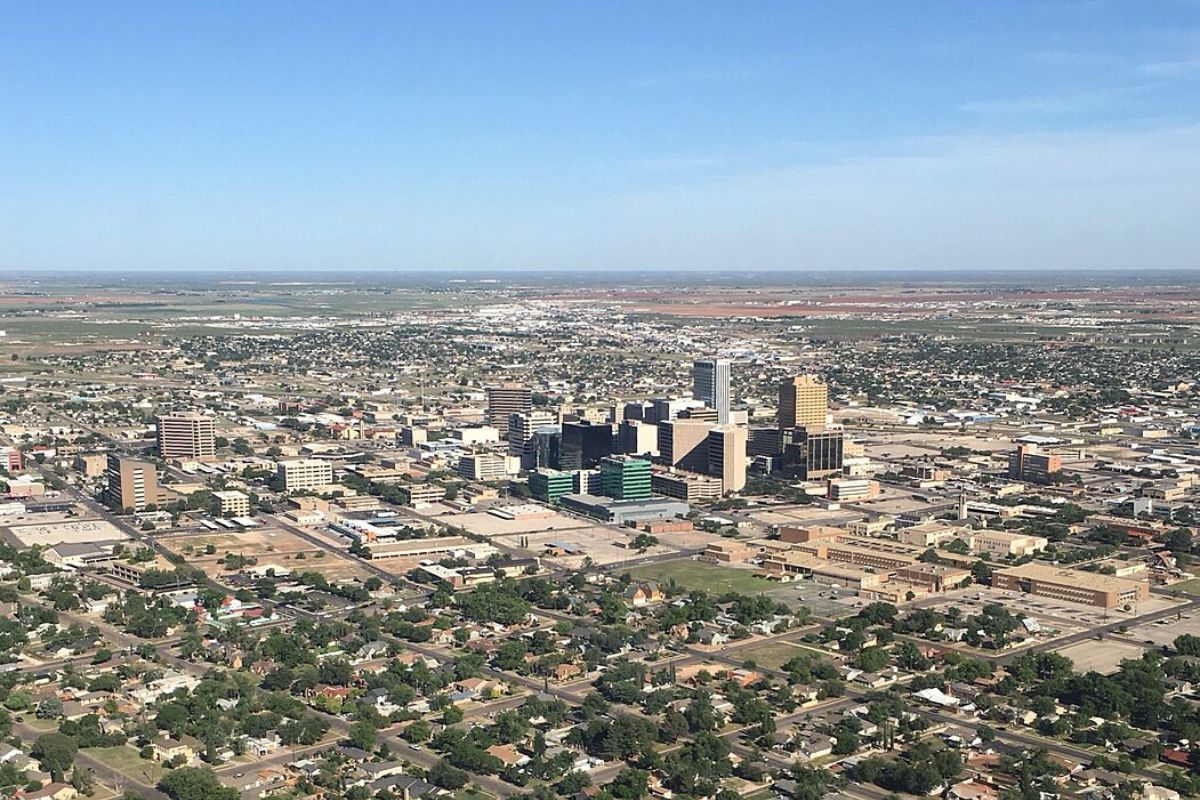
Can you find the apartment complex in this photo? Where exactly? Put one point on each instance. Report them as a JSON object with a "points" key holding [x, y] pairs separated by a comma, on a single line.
{"points": [[304, 473], [710, 383], [504, 400], [1072, 585], [132, 483], [186, 435], [92, 465]]}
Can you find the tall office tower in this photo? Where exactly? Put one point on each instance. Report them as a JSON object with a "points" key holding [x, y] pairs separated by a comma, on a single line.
{"points": [[505, 399], [544, 448], [522, 425], [684, 444], [585, 443], [132, 483], [625, 477], [186, 435], [803, 402], [727, 456], [637, 438], [815, 453], [710, 383]]}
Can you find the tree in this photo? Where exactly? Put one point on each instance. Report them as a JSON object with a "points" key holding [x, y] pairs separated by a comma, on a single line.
{"points": [[49, 708], [1187, 644], [83, 781], [573, 783], [363, 735], [195, 783], [872, 659], [447, 776], [417, 731], [56, 753], [630, 784], [812, 783], [700, 714]]}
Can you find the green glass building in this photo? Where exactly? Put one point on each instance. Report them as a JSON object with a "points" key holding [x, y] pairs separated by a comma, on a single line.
{"points": [[625, 477], [548, 485]]}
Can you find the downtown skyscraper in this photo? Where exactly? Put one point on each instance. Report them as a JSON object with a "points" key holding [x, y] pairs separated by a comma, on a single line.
{"points": [[710, 383]]}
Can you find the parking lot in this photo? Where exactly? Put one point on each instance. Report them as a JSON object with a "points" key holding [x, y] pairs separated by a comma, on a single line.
{"points": [[1164, 631], [1098, 655], [70, 532]]}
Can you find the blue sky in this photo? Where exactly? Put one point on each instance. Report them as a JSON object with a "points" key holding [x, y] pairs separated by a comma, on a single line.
{"points": [[602, 135]]}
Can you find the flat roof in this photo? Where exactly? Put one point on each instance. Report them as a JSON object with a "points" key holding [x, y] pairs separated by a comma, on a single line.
{"points": [[1076, 577]]}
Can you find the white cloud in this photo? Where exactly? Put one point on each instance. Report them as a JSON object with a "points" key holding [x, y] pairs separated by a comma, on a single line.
{"points": [[1097, 99], [1183, 68]]}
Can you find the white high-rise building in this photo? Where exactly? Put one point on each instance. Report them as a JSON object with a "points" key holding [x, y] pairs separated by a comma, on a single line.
{"points": [[710, 383]]}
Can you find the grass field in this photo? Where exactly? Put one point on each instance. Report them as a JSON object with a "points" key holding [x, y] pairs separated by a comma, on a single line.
{"points": [[773, 655], [691, 575], [1190, 586], [127, 761], [696, 575], [471, 794]]}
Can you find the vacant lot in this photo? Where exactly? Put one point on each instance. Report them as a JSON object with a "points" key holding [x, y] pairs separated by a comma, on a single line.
{"points": [[773, 655], [260, 542], [269, 546], [127, 761], [1100, 656]]}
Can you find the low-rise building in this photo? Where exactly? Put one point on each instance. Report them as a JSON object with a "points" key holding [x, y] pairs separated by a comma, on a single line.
{"points": [[1006, 543], [1072, 585], [623, 511], [232, 503]]}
